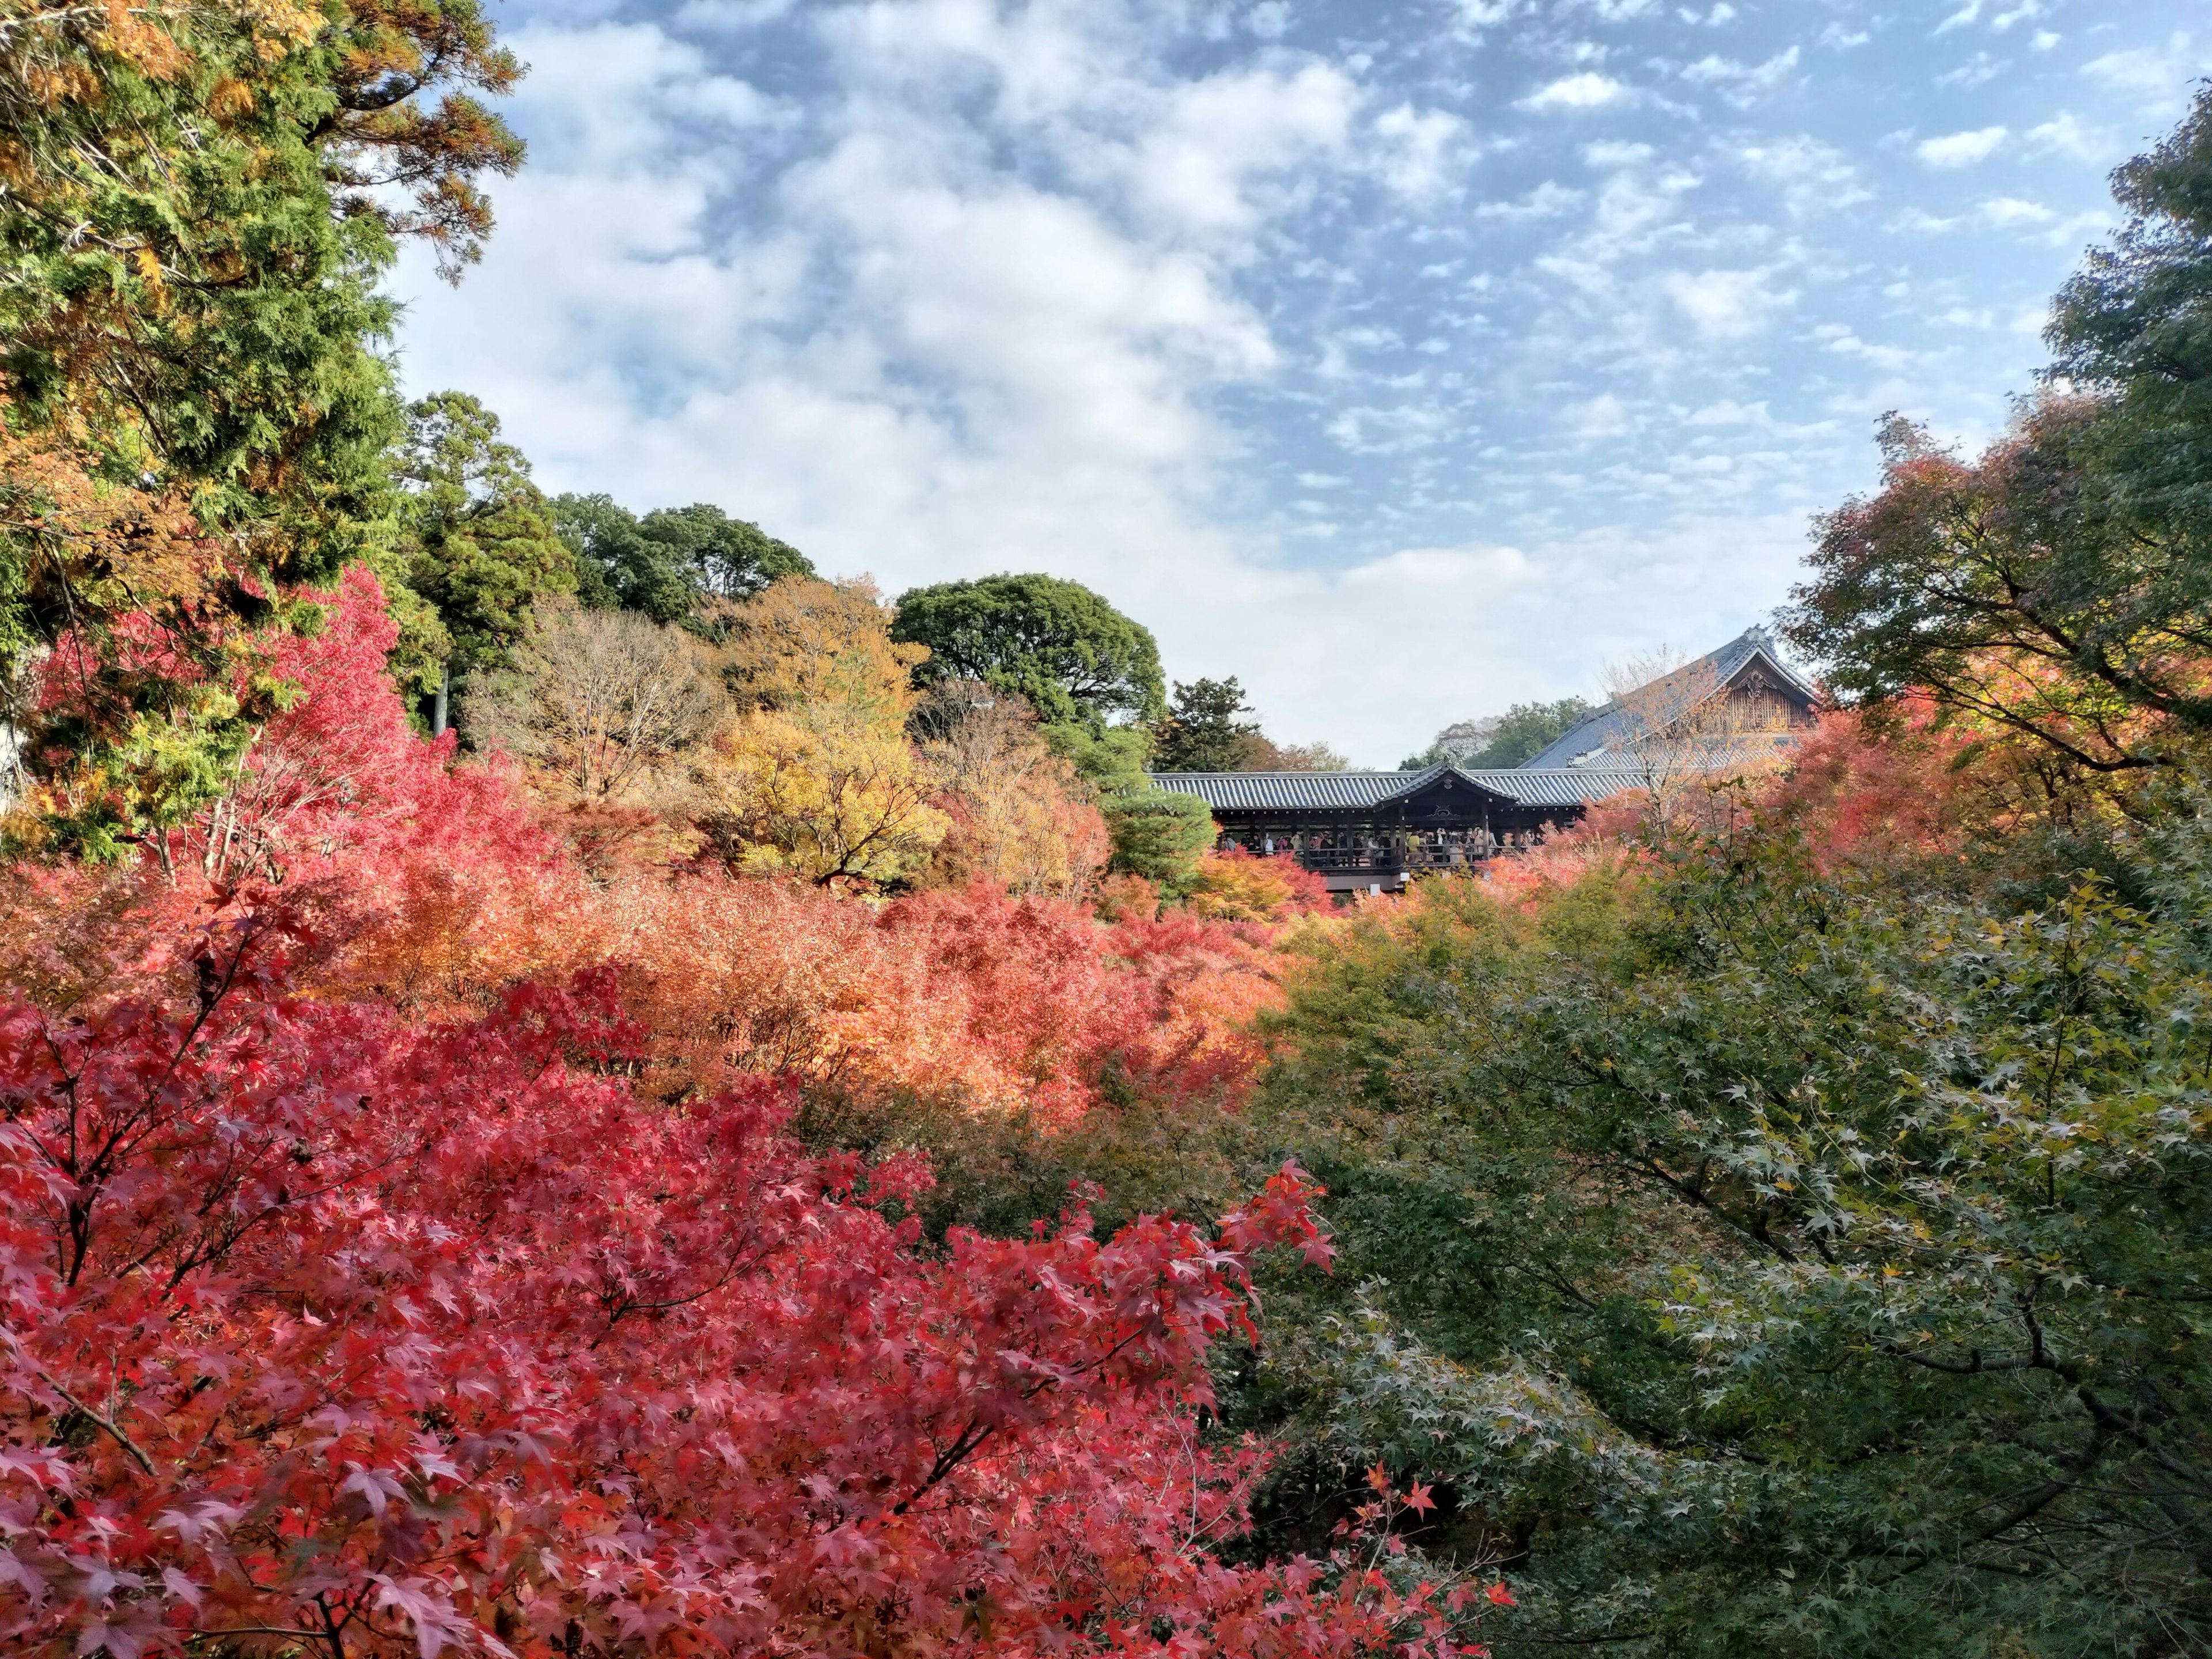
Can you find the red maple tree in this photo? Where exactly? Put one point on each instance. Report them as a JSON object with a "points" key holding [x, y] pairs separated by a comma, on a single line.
{"points": [[331, 1332]]}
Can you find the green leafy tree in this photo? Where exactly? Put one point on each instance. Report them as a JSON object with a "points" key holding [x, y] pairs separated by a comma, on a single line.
{"points": [[1075, 657], [2132, 327], [1201, 733], [1157, 834], [674, 560], [615, 568], [477, 544], [722, 557], [1523, 730], [1777, 1264], [1527, 728]]}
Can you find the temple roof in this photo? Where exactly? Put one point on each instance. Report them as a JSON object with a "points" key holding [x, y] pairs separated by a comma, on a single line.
{"points": [[1596, 743], [1291, 792]]}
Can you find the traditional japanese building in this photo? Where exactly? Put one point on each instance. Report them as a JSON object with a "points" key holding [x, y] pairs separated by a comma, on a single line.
{"points": [[1374, 831], [1738, 706]]}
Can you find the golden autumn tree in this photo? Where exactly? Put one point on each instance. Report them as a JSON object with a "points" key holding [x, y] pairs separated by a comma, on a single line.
{"points": [[837, 800], [815, 776], [802, 644]]}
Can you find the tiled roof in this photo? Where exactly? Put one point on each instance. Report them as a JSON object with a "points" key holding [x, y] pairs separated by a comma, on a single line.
{"points": [[1291, 791], [1565, 786], [1600, 734]]}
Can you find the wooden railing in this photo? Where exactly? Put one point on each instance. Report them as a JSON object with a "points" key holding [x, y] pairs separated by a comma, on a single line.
{"points": [[1408, 858]]}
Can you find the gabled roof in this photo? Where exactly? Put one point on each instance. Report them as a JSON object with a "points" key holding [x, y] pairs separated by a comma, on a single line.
{"points": [[1595, 743], [1292, 791]]}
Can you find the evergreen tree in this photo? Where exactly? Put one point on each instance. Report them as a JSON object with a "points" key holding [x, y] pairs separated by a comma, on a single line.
{"points": [[477, 541], [674, 561], [1201, 733]]}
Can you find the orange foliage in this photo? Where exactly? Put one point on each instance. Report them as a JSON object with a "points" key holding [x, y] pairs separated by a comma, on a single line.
{"points": [[996, 1000], [430, 885], [1235, 886]]}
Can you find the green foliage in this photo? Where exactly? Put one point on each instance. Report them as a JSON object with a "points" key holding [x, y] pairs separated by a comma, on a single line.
{"points": [[2133, 325], [1777, 1265], [1157, 834], [477, 544], [1075, 657], [673, 561], [1001, 1172], [1523, 730], [1527, 728], [1201, 733]]}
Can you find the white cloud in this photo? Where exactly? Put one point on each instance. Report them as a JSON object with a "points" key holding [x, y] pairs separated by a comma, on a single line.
{"points": [[2017, 213], [1919, 221], [1418, 148], [2002, 17], [1616, 11], [1215, 148], [1488, 13], [731, 17], [2011, 212], [1611, 153], [1726, 305], [2064, 135], [1814, 177], [1588, 90], [1845, 342], [1741, 84], [1729, 412], [1962, 149], [1602, 418], [2159, 76], [1547, 201], [1975, 71]]}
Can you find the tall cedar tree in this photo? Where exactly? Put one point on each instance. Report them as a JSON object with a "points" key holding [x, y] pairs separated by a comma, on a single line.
{"points": [[1201, 733], [476, 545], [200, 199]]}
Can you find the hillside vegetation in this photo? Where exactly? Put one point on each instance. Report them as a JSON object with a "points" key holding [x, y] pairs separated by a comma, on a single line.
{"points": [[569, 1085]]}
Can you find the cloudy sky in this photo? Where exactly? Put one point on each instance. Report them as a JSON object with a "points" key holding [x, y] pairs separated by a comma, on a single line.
{"points": [[1405, 358]]}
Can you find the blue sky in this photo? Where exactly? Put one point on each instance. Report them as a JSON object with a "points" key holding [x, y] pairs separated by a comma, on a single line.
{"points": [[1405, 360]]}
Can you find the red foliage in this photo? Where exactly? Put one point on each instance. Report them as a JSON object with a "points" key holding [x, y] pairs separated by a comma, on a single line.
{"points": [[436, 871], [1871, 795], [362, 1337]]}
